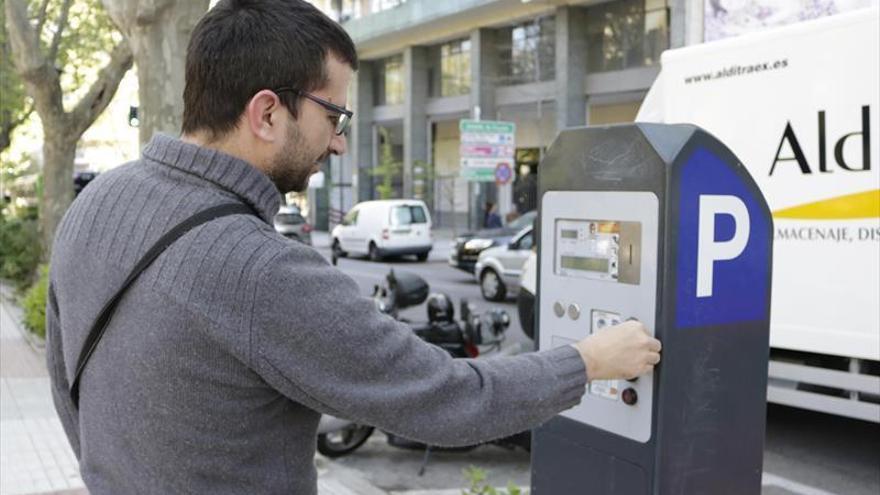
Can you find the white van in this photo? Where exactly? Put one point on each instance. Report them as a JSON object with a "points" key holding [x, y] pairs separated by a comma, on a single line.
{"points": [[382, 228]]}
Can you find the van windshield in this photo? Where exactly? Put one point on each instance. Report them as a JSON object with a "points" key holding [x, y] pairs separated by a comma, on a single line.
{"points": [[408, 215]]}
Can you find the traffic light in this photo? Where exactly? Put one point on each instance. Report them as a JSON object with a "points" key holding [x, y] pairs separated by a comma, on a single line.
{"points": [[133, 119]]}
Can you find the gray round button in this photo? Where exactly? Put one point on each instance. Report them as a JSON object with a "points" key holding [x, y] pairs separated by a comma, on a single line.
{"points": [[558, 309], [574, 311]]}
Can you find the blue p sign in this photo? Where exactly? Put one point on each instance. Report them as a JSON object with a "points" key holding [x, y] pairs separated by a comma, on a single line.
{"points": [[709, 250], [723, 246]]}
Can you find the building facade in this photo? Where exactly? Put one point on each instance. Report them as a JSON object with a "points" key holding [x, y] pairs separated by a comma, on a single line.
{"points": [[543, 64]]}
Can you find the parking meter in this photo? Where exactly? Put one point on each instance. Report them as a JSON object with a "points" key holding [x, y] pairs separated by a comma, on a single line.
{"points": [[663, 224]]}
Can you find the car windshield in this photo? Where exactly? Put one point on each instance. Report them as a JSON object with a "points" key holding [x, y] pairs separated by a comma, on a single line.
{"points": [[527, 240], [525, 220], [289, 219], [407, 215]]}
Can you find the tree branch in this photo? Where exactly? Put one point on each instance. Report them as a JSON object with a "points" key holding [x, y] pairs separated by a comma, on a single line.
{"points": [[6, 130], [62, 25], [41, 18], [101, 92], [40, 78], [25, 46]]}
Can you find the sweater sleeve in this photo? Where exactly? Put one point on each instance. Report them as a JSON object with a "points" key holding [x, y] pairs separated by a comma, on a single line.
{"points": [[319, 342]]}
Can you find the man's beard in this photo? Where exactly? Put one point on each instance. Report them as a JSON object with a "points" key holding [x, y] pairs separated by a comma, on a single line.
{"points": [[293, 165]]}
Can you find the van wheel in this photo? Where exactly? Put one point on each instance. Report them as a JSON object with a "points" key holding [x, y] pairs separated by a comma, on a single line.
{"points": [[374, 252], [336, 251], [491, 285], [422, 256]]}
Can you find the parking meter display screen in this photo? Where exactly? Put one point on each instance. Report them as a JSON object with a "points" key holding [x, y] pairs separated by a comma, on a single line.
{"points": [[592, 248]]}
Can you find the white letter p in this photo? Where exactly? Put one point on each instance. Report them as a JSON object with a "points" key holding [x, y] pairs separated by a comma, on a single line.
{"points": [[709, 251]]}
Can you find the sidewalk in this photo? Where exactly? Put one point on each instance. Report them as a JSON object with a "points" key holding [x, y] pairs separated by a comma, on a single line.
{"points": [[35, 457], [34, 454]]}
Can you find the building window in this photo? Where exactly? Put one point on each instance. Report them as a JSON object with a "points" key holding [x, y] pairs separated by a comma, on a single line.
{"points": [[346, 9], [388, 85], [527, 52], [355, 9], [455, 69], [380, 5], [626, 34]]}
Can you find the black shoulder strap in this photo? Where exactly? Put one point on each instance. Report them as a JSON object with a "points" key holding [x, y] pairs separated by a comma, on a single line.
{"points": [[100, 323]]}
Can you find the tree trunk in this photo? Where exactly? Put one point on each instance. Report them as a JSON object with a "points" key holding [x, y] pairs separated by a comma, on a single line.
{"points": [[59, 152], [61, 128], [158, 32]]}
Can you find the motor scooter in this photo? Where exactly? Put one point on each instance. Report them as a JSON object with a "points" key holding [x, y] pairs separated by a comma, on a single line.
{"points": [[475, 334]]}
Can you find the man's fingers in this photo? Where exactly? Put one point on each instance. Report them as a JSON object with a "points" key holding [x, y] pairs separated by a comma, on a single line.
{"points": [[643, 370], [655, 345], [653, 358], [637, 324]]}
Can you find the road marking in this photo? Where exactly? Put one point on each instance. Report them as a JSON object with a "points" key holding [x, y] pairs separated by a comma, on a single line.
{"points": [[792, 486], [455, 491]]}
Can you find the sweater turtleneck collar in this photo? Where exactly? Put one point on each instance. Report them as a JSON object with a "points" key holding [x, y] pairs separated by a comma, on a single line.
{"points": [[226, 171]]}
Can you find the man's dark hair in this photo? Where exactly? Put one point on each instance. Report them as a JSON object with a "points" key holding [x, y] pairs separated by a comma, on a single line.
{"points": [[243, 46]]}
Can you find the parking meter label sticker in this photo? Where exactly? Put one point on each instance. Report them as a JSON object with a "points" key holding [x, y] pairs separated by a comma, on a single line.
{"points": [[723, 246], [607, 389]]}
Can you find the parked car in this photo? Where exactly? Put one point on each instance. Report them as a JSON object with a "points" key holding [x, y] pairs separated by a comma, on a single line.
{"points": [[290, 223], [468, 246], [81, 180], [383, 228], [498, 269]]}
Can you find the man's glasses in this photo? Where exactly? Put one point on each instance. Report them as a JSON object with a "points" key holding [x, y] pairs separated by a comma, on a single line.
{"points": [[343, 115]]}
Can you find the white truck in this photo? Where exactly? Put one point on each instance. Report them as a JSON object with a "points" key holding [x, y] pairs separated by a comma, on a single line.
{"points": [[798, 105]]}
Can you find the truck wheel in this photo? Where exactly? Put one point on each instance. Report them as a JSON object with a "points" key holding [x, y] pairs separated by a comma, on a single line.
{"points": [[491, 285], [343, 442]]}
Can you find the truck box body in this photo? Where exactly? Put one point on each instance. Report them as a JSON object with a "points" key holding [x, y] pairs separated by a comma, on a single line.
{"points": [[799, 106]]}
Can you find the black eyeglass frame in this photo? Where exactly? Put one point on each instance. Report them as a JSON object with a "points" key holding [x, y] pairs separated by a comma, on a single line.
{"points": [[342, 125]]}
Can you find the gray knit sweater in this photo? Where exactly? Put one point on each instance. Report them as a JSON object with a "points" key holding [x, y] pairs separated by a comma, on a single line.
{"points": [[212, 374]]}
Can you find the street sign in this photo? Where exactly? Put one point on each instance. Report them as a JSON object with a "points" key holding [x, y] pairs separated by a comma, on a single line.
{"points": [[486, 126], [485, 150], [475, 174], [486, 144], [503, 173]]}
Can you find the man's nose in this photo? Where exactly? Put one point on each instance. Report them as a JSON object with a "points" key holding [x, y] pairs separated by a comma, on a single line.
{"points": [[338, 145]]}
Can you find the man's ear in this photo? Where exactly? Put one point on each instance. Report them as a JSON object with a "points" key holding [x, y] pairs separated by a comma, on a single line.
{"points": [[262, 115]]}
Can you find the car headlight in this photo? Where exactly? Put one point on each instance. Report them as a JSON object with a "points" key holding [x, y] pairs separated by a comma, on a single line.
{"points": [[478, 244]]}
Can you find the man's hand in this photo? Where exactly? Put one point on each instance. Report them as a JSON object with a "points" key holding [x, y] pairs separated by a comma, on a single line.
{"points": [[621, 352]]}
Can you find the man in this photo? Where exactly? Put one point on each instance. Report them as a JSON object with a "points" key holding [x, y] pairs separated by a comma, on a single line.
{"points": [[493, 219], [219, 359]]}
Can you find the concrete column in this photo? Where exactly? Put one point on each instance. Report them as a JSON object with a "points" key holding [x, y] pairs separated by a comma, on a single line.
{"points": [[571, 67], [360, 151], [484, 79], [415, 117], [685, 22], [484, 72]]}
